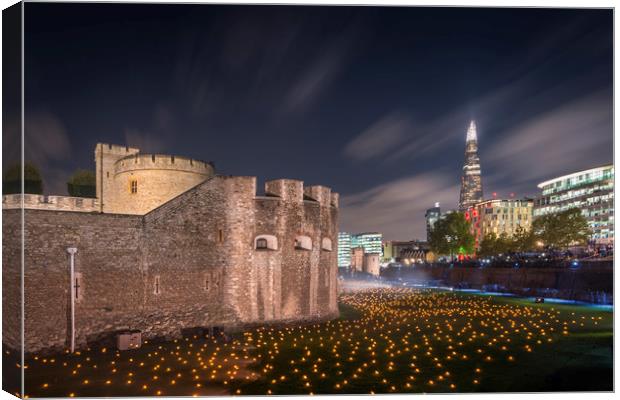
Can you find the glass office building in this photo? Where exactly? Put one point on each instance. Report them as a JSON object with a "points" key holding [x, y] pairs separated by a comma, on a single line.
{"points": [[370, 241], [432, 215], [344, 250], [591, 190]]}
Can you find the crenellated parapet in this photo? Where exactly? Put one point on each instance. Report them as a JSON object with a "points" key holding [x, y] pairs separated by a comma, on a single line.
{"points": [[321, 194], [129, 182], [290, 190], [52, 203], [294, 191], [335, 199], [162, 162], [115, 149]]}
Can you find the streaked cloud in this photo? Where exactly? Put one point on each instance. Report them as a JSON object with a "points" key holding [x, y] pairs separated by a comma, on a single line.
{"points": [[47, 145], [314, 80], [576, 135], [146, 142], [380, 138], [397, 208]]}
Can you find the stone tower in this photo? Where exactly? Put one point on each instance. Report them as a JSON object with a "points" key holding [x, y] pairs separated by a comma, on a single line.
{"points": [[471, 180]]}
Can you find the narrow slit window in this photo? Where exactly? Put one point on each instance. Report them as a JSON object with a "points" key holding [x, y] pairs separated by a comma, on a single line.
{"points": [[220, 236], [133, 186], [157, 287]]}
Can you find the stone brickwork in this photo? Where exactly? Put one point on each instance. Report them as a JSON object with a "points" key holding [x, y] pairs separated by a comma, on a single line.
{"points": [[58, 203], [130, 182], [371, 264], [192, 262]]}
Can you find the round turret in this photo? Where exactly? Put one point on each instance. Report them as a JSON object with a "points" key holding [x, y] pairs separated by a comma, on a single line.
{"points": [[143, 182]]}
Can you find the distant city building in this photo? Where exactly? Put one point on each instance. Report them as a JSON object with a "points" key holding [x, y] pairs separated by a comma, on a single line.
{"points": [[591, 190], [370, 241], [499, 216], [344, 250], [357, 259], [471, 180], [406, 252], [432, 215]]}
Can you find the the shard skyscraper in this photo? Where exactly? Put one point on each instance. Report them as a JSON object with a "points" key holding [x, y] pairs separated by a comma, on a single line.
{"points": [[471, 181]]}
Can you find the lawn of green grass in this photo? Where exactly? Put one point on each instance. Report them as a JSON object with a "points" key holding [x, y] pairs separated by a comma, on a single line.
{"points": [[385, 341]]}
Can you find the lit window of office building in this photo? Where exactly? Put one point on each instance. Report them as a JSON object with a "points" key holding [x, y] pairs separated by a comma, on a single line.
{"points": [[344, 250], [591, 190], [370, 241], [499, 216], [432, 215]]}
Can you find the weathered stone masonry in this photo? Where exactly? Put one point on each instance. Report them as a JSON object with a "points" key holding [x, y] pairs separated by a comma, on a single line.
{"points": [[191, 262]]}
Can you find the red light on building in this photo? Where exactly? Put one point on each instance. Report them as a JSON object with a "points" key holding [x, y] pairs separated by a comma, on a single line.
{"points": [[467, 216]]}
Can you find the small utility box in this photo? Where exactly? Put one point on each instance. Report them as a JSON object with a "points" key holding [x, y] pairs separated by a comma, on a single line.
{"points": [[129, 340]]}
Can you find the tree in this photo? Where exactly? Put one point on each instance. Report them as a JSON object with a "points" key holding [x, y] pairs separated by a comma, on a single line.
{"points": [[523, 239], [563, 229], [492, 245], [488, 245], [82, 184], [451, 235], [11, 182]]}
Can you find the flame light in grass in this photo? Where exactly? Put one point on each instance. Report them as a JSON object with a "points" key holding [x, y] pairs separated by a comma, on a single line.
{"points": [[403, 341]]}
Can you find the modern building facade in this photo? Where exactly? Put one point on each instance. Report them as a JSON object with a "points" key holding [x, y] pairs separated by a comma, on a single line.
{"points": [[432, 215], [406, 252], [592, 191], [471, 180], [370, 241], [500, 217], [344, 250]]}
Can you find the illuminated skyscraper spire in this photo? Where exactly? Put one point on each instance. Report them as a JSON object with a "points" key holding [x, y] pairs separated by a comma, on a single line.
{"points": [[471, 180], [471, 132]]}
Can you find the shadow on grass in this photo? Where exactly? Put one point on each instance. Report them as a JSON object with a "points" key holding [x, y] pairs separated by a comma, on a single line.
{"points": [[580, 379]]}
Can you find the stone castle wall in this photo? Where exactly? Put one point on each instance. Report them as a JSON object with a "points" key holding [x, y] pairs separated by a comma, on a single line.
{"points": [[58, 203], [106, 156], [158, 178], [190, 263]]}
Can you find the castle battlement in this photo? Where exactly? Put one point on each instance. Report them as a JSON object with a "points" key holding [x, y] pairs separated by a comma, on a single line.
{"points": [[169, 245], [319, 193], [162, 161], [116, 149], [52, 203], [290, 190]]}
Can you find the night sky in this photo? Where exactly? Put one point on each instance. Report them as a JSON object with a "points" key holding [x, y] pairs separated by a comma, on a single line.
{"points": [[373, 102]]}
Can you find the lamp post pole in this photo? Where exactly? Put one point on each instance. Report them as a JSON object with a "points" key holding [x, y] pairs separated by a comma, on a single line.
{"points": [[72, 251]]}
